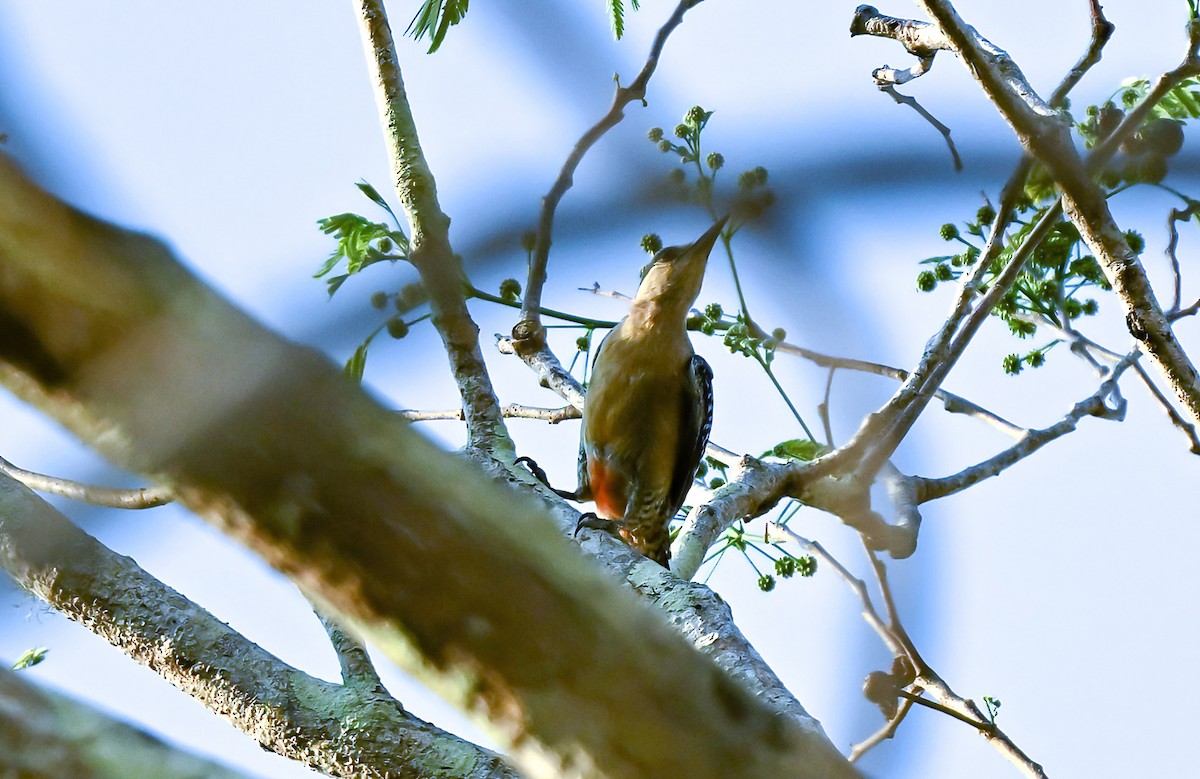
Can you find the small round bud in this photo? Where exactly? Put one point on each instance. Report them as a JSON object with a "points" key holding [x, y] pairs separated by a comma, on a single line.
{"points": [[1129, 98], [766, 582], [806, 566], [655, 135], [1012, 364], [411, 296], [1107, 120], [528, 240], [785, 567], [651, 243], [779, 334], [714, 311], [926, 281], [717, 483], [664, 146], [379, 299], [970, 255], [397, 328], [1022, 329], [1135, 240], [985, 214], [510, 289], [760, 175], [715, 160], [1035, 359], [943, 272], [385, 245], [948, 231], [695, 116], [676, 176], [1072, 308], [1163, 136], [1090, 307], [682, 131], [582, 343]]}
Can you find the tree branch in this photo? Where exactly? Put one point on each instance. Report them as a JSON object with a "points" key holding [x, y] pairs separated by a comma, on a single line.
{"points": [[109, 497], [441, 270], [1093, 405], [1047, 136], [44, 734], [528, 334], [510, 411], [432, 561], [340, 730]]}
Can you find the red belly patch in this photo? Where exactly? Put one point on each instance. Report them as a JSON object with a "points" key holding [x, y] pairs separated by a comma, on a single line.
{"points": [[608, 490]]}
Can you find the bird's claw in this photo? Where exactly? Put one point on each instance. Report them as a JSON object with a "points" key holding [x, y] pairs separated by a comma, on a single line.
{"points": [[593, 522], [534, 469]]}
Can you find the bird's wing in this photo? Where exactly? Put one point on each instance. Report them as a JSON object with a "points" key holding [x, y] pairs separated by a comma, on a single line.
{"points": [[694, 428]]}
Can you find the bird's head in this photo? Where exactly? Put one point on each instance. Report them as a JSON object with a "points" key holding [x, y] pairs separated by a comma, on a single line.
{"points": [[673, 280]]}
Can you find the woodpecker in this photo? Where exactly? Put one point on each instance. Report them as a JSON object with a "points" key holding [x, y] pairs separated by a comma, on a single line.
{"points": [[649, 405]]}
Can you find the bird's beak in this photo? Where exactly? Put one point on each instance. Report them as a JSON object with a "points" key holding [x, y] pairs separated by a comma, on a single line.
{"points": [[704, 244]]}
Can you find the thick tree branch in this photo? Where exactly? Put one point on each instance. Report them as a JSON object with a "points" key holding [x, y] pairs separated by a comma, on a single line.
{"points": [[351, 731], [441, 270], [419, 552], [47, 735]]}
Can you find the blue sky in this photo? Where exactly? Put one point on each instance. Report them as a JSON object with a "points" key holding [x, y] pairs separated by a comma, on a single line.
{"points": [[229, 128]]}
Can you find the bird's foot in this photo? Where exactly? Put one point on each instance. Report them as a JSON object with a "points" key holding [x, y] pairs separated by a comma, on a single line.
{"points": [[534, 469], [593, 522], [541, 476]]}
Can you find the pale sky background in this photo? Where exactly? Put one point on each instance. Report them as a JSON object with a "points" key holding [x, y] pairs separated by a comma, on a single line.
{"points": [[1063, 588]]}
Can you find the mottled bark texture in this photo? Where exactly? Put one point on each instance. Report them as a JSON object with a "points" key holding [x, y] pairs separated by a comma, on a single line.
{"points": [[460, 580]]}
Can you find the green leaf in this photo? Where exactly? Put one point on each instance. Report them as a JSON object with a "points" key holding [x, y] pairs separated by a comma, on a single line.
{"points": [[435, 18], [358, 361], [361, 243], [797, 449], [334, 283], [616, 12], [30, 658]]}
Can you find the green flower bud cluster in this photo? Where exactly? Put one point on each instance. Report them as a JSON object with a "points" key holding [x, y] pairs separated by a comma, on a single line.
{"points": [[651, 243], [510, 290], [739, 340]]}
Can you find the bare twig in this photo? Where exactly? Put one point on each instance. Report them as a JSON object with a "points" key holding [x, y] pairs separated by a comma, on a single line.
{"points": [[1102, 31], [510, 411], [910, 101], [1177, 215], [954, 404], [599, 291], [109, 497], [823, 409], [1093, 405], [883, 734], [528, 334], [550, 372], [1187, 428], [358, 671]]}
